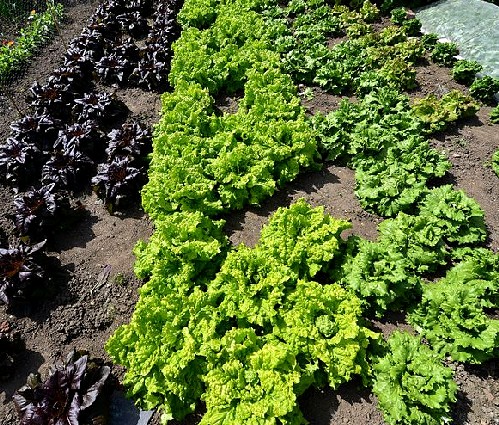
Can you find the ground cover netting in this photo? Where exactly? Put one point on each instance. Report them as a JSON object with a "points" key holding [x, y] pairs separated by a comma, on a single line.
{"points": [[471, 24], [219, 165]]}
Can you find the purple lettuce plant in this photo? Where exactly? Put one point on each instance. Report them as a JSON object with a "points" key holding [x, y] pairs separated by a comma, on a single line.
{"points": [[19, 270], [151, 74], [93, 106], [126, 49], [17, 161], [133, 23], [67, 168], [71, 78], [78, 57], [64, 397], [130, 139], [37, 130], [118, 181], [35, 210], [113, 69], [91, 43], [51, 99], [85, 137]]}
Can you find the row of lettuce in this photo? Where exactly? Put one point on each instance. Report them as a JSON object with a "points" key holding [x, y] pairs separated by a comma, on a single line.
{"points": [[14, 54], [247, 330]]}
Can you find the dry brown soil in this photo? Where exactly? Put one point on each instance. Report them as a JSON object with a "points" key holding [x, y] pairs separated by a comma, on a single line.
{"points": [[95, 289]]}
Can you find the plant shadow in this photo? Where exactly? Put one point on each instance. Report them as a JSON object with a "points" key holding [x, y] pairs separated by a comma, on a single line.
{"points": [[306, 183]]}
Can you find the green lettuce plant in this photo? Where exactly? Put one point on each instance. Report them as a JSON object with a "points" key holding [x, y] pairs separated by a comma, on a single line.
{"points": [[398, 15], [437, 113], [494, 115], [429, 41], [459, 217], [411, 384], [464, 71], [485, 88], [248, 339], [452, 315], [495, 162], [444, 53], [380, 274]]}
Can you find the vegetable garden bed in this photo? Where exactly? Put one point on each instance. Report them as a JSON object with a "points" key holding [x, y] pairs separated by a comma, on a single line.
{"points": [[95, 290]]}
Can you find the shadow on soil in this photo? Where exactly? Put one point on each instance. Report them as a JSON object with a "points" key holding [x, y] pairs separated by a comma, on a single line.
{"points": [[308, 183], [25, 363]]}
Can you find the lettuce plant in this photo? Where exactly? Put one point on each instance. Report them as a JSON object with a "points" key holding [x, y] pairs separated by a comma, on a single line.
{"points": [[19, 270], [459, 217], [150, 73], [118, 180], [381, 275], [494, 115], [133, 23], [495, 162], [485, 88], [17, 161], [51, 99], [444, 53], [396, 181], [86, 49], [398, 15], [436, 114], [71, 78], [93, 106], [411, 384], [452, 315], [412, 27], [130, 139], [78, 57], [126, 49], [113, 69], [35, 210], [37, 130], [249, 336], [429, 41], [85, 137], [464, 71], [65, 395], [66, 167]]}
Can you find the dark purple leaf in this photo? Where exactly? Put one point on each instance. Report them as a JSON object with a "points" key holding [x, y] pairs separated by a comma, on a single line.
{"points": [[69, 389], [69, 77], [51, 99], [80, 58], [142, 6], [65, 168], [93, 106], [130, 139], [126, 49], [105, 26], [113, 69], [17, 161], [133, 23], [18, 269], [91, 395], [38, 130], [118, 180], [34, 208], [85, 137], [89, 42]]}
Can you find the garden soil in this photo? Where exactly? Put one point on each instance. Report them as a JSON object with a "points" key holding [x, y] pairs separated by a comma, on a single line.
{"points": [[94, 289]]}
